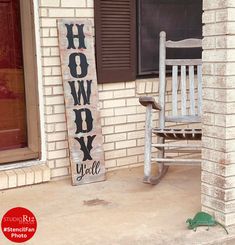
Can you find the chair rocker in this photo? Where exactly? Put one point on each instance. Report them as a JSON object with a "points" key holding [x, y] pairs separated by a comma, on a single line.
{"points": [[187, 110]]}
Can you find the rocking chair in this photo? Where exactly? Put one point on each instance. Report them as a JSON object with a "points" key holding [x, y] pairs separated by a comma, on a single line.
{"points": [[187, 110]]}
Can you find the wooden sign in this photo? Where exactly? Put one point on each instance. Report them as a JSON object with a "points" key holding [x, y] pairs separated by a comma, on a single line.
{"points": [[76, 43]]}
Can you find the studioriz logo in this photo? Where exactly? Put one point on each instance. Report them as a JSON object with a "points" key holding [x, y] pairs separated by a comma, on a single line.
{"points": [[19, 224]]}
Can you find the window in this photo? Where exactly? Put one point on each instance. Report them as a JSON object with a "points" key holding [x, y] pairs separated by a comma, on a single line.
{"points": [[19, 129], [127, 34], [180, 19]]}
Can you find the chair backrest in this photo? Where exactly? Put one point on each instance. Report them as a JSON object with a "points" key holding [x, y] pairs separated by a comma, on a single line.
{"points": [[184, 113]]}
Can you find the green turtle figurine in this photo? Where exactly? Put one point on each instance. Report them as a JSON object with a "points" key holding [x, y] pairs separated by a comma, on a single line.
{"points": [[203, 219]]}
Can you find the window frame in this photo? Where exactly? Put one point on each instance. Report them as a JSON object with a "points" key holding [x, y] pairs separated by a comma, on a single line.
{"points": [[32, 151]]}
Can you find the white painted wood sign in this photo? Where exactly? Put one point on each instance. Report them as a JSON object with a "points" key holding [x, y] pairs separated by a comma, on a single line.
{"points": [[77, 55]]}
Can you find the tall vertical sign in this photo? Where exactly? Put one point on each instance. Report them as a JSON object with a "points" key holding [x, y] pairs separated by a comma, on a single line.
{"points": [[76, 43]]}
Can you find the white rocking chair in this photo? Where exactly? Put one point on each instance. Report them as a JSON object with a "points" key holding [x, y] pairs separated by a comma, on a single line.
{"points": [[180, 114]]}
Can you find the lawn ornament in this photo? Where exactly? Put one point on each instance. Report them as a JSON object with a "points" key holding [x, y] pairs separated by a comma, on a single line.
{"points": [[203, 219]]}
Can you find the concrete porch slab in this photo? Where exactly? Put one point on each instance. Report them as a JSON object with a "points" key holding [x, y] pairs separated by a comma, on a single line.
{"points": [[121, 210]]}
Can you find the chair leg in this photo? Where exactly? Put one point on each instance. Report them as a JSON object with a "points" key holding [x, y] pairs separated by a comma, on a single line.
{"points": [[148, 178], [148, 144], [162, 169], [154, 180]]}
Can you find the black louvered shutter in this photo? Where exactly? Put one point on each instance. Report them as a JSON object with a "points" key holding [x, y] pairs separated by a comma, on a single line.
{"points": [[115, 31]]}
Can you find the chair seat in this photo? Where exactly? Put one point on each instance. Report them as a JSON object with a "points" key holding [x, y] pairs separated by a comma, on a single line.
{"points": [[176, 133]]}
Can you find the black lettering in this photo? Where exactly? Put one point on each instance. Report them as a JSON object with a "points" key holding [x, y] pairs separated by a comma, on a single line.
{"points": [[81, 92], [86, 149], [73, 65], [80, 171], [96, 167], [88, 171], [78, 120], [70, 36]]}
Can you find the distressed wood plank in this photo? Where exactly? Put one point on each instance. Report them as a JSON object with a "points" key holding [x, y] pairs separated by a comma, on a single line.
{"points": [[199, 77], [174, 90], [183, 62], [199, 146], [147, 100], [162, 78], [182, 119], [76, 43], [191, 134], [191, 90], [183, 90], [148, 141], [175, 161], [186, 43]]}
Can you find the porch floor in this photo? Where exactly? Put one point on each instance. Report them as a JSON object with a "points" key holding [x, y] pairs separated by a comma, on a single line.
{"points": [[121, 210]]}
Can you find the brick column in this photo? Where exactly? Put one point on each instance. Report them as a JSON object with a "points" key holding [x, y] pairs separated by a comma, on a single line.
{"points": [[218, 153]]}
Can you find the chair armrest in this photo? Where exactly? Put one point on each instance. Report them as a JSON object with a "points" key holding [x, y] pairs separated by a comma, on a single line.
{"points": [[146, 100]]}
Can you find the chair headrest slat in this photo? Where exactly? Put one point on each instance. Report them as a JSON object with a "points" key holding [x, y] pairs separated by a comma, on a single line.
{"points": [[186, 43], [183, 62]]}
